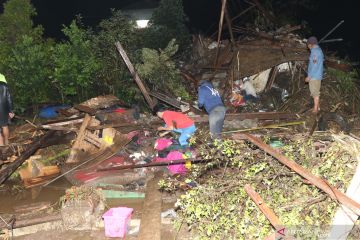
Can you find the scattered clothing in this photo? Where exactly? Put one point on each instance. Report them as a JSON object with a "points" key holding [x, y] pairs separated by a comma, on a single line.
{"points": [[248, 87], [175, 168], [163, 143]]}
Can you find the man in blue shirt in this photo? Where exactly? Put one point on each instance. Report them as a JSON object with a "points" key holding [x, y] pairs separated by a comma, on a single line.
{"points": [[315, 71], [210, 98]]}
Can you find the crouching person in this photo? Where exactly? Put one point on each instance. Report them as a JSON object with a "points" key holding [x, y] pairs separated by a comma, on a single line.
{"points": [[177, 122], [210, 98]]}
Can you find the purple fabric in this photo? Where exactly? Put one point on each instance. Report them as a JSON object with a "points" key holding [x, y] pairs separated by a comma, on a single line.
{"points": [[177, 168], [162, 143]]}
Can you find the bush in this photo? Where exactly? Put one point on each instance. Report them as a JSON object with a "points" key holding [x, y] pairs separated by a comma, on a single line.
{"points": [[75, 65], [160, 71], [167, 22], [29, 71]]}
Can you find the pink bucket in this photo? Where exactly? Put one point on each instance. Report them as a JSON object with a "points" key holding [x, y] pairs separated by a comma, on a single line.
{"points": [[116, 221]]}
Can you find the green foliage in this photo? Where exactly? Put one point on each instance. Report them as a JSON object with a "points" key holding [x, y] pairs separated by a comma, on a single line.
{"points": [[114, 75], [160, 71], [347, 80], [167, 22], [29, 70], [75, 65], [347, 87], [219, 208], [15, 22], [87, 63]]}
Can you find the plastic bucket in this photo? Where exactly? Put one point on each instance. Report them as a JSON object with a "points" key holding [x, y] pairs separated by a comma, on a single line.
{"points": [[116, 221]]}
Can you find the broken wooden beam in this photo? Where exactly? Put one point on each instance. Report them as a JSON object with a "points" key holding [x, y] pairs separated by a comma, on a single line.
{"points": [[223, 6], [116, 125], [85, 109], [64, 122], [266, 210], [80, 137], [11, 167], [322, 184], [136, 77], [153, 164], [229, 25], [255, 115]]}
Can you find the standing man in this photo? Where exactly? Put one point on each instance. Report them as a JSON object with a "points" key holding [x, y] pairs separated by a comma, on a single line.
{"points": [[315, 71], [210, 98], [177, 122], [6, 111]]}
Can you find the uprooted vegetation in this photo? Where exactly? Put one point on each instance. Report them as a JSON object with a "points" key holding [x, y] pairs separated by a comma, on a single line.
{"points": [[218, 207]]}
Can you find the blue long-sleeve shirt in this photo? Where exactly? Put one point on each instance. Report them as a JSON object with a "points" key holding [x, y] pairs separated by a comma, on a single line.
{"points": [[316, 64], [208, 97]]}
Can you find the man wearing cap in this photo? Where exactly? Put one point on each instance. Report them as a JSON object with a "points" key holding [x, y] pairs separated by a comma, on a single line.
{"points": [[210, 99], [6, 111], [177, 122], [315, 71]]}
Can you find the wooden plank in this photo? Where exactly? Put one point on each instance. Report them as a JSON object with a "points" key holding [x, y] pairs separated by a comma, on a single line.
{"points": [[322, 184], [80, 137], [229, 25], [223, 6], [85, 109], [135, 75], [118, 125], [64, 112], [265, 209], [271, 79], [255, 115], [75, 120], [150, 225], [11, 167], [269, 214]]}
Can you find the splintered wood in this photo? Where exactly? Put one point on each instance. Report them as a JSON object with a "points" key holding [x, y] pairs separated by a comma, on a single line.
{"points": [[78, 145]]}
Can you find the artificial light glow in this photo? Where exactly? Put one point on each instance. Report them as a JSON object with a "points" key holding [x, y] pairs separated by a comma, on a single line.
{"points": [[142, 23]]}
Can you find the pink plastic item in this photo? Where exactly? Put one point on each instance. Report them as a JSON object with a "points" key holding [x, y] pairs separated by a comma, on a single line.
{"points": [[162, 143], [176, 168], [116, 221]]}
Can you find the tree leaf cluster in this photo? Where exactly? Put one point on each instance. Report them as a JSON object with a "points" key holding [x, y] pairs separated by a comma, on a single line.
{"points": [[219, 208], [86, 63]]}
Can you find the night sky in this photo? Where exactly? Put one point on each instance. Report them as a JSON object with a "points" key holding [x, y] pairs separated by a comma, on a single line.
{"points": [[203, 17]]}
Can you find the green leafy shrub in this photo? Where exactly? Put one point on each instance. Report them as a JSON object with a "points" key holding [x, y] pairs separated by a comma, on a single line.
{"points": [[167, 22], [114, 75], [219, 208], [30, 68], [16, 22], [160, 71], [75, 65]]}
